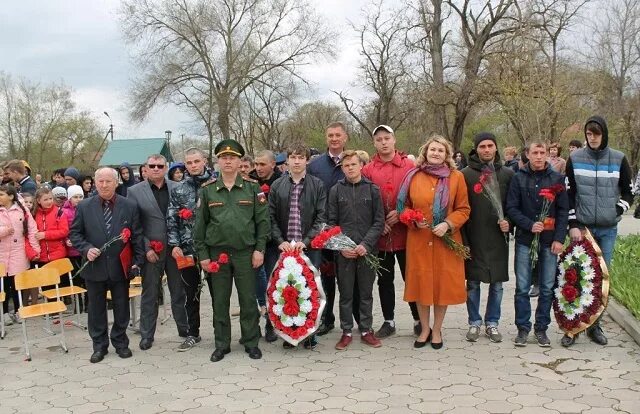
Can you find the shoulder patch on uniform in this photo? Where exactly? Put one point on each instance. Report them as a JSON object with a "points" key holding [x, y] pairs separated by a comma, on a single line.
{"points": [[251, 180], [206, 183]]}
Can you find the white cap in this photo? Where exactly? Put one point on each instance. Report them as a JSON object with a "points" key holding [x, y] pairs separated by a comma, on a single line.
{"points": [[382, 127], [75, 190], [59, 192]]}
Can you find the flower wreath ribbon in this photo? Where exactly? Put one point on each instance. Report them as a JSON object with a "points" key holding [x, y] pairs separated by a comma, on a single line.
{"points": [[582, 286], [295, 298]]}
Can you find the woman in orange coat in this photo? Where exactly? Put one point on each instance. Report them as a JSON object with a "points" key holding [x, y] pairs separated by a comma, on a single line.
{"points": [[434, 273]]}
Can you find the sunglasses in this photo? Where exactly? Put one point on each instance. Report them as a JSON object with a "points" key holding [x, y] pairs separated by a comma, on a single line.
{"points": [[158, 166]]}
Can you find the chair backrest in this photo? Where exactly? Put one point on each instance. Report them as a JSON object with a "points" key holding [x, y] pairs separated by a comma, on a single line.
{"points": [[34, 278], [3, 270], [62, 266]]}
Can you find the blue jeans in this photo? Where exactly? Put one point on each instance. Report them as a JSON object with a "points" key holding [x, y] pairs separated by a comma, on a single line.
{"points": [[547, 263], [494, 302], [606, 239]]}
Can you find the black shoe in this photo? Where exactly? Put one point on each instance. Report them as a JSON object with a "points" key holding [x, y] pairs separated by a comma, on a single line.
{"points": [[254, 353], [567, 341], [310, 343], [269, 333], [596, 334], [219, 354], [146, 344], [287, 345], [324, 329], [417, 329], [418, 344], [437, 345], [98, 356], [385, 331], [124, 352]]}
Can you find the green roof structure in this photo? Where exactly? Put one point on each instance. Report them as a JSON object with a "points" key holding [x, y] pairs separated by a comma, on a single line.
{"points": [[134, 151]]}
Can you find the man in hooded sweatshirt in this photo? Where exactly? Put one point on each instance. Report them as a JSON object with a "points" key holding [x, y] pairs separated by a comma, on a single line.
{"points": [[127, 177], [600, 191]]}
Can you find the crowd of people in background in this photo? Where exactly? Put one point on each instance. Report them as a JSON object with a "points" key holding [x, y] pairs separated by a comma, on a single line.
{"points": [[44, 221]]}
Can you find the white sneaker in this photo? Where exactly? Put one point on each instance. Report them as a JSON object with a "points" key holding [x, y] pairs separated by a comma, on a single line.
{"points": [[16, 318], [8, 320]]}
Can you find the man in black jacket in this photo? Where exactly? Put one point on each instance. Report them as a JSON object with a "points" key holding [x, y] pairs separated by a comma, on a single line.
{"points": [[98, 220], [355, 205], [297, 203]]}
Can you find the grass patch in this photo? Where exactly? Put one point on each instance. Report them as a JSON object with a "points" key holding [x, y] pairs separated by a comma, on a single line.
{"points": [[625, 275]]}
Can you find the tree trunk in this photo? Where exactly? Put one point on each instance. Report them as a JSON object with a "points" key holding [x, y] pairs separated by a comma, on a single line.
{"points": [[437, 66]]}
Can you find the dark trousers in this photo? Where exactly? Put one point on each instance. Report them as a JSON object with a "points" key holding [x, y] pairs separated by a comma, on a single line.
{"points": [[97, 318], [151, 289], [191, 281], [351, 271], [328, 279], [11, 293], [387, 289]]}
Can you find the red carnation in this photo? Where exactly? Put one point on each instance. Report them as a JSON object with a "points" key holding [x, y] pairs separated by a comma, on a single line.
{"points": [[214, 267], [335, 231], [290, 294], [185, 214], [157, 246], [477, 188], [571, 276], [223, 258], [570, 293], [125, 235], [556, 188], [265, 188], [291, 309]]}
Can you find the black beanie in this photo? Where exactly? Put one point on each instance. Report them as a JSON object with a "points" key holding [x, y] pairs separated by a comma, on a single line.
{"points": [[482, 136]]}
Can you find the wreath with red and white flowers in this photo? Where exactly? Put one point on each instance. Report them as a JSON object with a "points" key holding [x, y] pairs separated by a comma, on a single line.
{"points": [[582, 287], [295, 297]]}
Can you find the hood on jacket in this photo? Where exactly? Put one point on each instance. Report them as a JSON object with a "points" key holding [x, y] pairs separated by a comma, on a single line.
{"points": [[473, 160], [605, 132], [175, 166], [132, 178]]}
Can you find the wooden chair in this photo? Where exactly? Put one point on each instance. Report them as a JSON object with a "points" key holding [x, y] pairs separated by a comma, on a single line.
{"points": [[3, 297], [134, 292], [63, 266], [37, 278]]}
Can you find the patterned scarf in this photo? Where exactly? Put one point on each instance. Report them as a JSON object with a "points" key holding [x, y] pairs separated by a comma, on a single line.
{"points": [[441, 201]]}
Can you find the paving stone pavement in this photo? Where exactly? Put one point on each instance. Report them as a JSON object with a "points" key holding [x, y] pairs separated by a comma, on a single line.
{"points": [[463, 377]]}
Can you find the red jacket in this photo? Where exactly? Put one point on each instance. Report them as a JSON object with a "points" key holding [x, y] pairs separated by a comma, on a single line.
{"points": [[54, 224], [388, 176]]}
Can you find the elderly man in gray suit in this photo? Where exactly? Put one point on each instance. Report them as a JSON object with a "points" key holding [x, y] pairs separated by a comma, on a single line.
{"points": [[152, 199]]}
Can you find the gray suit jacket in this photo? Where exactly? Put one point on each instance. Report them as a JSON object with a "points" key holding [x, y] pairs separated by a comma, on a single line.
{"points": [[154, 222]]}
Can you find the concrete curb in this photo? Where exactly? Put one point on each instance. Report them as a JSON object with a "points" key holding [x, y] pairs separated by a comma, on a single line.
{"points": [[624, 318]]}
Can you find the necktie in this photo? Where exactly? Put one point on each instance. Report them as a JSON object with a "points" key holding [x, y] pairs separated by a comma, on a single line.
{"points": [[336, 160], [106, 209]]}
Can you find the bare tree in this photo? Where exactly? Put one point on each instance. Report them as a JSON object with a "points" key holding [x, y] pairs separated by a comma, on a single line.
{"points": [[204, 54], [383, 69]]}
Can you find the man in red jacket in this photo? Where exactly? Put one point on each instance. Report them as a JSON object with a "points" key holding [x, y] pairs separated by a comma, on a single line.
{"points": [[387, 169]]}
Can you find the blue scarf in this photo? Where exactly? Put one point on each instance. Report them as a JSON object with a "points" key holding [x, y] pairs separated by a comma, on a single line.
{"points": [[441, 201]]}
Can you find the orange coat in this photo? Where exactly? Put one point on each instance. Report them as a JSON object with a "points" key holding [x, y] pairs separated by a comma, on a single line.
{"points": [[434, 273]]}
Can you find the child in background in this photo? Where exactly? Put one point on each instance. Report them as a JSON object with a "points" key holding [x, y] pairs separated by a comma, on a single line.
{"points": [[75, 195], [17, 227], [53, 229], [29, 296]]}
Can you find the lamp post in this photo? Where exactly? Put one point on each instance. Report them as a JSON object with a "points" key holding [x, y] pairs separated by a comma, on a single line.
{"points": [[167, 134], [110, 131], [110, 125]]}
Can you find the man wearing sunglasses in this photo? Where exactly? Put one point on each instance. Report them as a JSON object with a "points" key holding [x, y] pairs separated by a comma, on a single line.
{"points": [[152, 199]]}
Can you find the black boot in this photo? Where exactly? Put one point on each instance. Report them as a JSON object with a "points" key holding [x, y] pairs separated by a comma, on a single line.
{"points": [[596, 334]]}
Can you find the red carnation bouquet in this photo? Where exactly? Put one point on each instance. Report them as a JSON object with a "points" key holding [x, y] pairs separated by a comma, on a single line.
{"points": [[412, 217], [265, 188], [334, 239], [488, 186], [185, 214], [124, 235], [549, 195], [157, 246]]}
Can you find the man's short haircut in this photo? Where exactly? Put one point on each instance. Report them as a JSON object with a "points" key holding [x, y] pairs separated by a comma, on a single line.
{"points": [[364, 156], [594, 128], [105, 169], [352, 153], [556, 145], [247, 158], [16, 166], [512, 151], [194, 150], [575, 143], [337, 124], [59, 171], [299, 149], [267, 154], [536, 143], [157, 157]]}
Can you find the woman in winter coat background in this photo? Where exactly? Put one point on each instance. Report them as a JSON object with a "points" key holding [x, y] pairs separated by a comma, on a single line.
{"points": [[17, 228], [53, 229]]}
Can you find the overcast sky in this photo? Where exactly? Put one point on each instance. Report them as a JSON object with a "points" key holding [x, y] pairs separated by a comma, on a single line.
{"points": [[79, 42]]}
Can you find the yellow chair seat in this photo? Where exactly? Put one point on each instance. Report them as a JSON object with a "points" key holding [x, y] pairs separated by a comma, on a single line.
{"points": [[64, 291], [133, 292], [136, 281], [2, 296], [42, 309]]}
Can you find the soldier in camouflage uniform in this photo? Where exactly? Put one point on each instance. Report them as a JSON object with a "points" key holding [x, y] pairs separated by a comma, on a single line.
{"points": [[232, 217], [183, 198]]}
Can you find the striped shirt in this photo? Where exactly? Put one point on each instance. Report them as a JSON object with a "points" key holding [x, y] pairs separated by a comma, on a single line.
{"points": [[294, 227]]}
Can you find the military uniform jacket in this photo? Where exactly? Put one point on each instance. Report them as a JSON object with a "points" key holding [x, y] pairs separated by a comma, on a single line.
{"points": [[232, 219]]}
